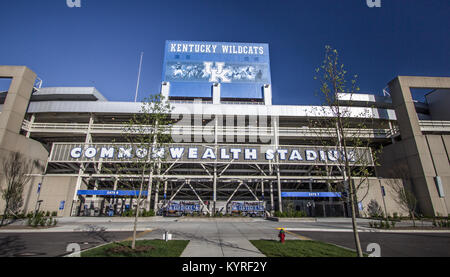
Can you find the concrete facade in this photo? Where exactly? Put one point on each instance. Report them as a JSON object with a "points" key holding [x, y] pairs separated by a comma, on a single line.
{"points": [[371, 189], [11, 119], [419, 157]]}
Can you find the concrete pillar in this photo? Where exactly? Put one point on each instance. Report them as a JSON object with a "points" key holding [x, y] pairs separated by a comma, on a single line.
{"points": [[216, 93], [165, 190], [88, 133], [13, 113], [165, 90], [271, 198], [267, 89], [262, 190], [417, 156], [149, 189], [276, 138], [94, 197], [215, 165], [155, 205], [32, 119], [116, 180]]}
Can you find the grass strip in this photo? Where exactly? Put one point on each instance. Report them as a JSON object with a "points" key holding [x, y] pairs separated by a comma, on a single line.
{"points": [[144, 248], [301, 248]]}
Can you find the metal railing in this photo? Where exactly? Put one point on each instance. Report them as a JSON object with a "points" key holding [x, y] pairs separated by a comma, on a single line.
{"points": [[204, 130], [434, 126]]}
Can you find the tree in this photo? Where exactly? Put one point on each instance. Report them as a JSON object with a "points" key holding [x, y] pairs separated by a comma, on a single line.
{"points": [[17, 171], [374, 209], [405, 198], [347, 129], [148, 132]]}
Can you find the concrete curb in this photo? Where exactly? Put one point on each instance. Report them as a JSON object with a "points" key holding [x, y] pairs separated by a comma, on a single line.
{"points": [[214, 219], [365, 230], [292, 219], [72, 230]]}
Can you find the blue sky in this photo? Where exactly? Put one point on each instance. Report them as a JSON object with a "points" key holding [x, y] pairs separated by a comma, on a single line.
{"points": [[99, 44]]}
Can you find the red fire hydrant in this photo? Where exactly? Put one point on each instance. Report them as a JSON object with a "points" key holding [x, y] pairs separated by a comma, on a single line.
{"points": [[282, 235]]}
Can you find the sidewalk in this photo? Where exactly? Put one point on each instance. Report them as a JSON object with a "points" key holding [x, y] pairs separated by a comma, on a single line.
{"points": [[219, 239], [219, 248]]}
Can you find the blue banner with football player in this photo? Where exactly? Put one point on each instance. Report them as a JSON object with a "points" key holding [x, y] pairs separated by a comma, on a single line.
{"points": [[247, 208]]}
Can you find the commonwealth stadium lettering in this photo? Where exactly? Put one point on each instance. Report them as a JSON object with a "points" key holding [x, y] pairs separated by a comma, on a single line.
{"points": [[207, 154]]}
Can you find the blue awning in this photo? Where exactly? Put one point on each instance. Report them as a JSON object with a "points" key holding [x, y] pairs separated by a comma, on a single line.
{"points": [[112, 192], [311, 194]]}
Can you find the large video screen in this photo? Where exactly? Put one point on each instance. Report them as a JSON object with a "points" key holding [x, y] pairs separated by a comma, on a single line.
{"points": [[192, 67]]}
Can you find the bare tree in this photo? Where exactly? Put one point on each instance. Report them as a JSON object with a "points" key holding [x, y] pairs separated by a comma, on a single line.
{"points": [[405, 198], [349, 130], [17, 170]]}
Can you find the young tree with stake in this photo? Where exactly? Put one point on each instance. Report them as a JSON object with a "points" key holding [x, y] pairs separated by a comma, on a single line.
{"points": [[148, 132], [349, 130]]}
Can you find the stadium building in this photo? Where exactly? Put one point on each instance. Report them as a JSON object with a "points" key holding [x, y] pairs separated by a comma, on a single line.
{"points": [[232, 150]]}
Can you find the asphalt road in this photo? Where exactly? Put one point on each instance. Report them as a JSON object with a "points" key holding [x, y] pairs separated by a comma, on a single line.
{"points": [[391, 244], [53, 244]]}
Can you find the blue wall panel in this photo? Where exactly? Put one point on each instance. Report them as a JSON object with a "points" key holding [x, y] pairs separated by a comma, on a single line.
{"points": [[192, 89], [241, 91]]}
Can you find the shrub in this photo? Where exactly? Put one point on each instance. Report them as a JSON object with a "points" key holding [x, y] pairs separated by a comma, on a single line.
{"points": [[146, 213], [41, 220], [54, 213], [374, 209]]}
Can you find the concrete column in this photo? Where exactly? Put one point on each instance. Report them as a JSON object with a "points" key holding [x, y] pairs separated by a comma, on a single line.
{"points": [[280, 203], [275, 130], [77, 188], [262, 190], [32, 119], [216, 93], [417, 156], [267, 89], [149, 189], [155, 205], [165, 190], [88, 133], [94, 197], [116, 180], [215, 165], [13, 113], [392, 132], [271, 197], [165, 90]]}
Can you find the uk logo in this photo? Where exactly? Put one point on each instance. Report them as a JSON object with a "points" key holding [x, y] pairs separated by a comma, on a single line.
{"points": [[217, 74]]}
